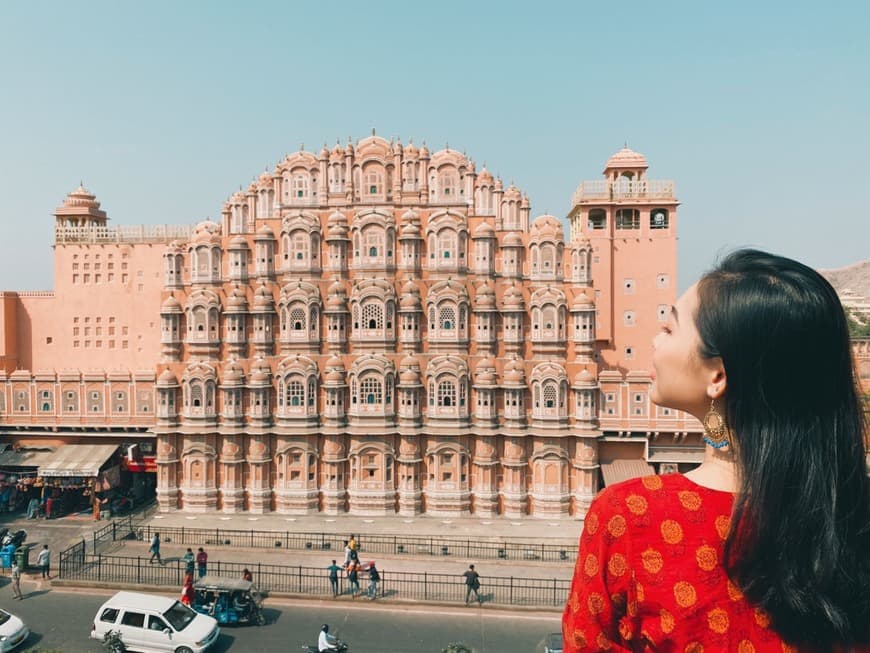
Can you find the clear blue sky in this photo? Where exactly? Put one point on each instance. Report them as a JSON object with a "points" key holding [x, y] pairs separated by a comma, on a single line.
{"points": [[759, 111]]}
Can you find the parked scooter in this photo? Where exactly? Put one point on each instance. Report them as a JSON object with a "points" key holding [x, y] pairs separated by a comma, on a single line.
{"points": [[14, 537]]}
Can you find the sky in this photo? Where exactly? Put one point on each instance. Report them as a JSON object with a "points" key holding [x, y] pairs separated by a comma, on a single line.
{"points": [[759, 111]]}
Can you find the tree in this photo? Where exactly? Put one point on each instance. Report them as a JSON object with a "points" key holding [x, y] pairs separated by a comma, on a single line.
{"points": [[859, 327]]}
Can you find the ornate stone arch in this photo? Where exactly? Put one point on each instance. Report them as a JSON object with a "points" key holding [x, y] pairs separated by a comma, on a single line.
{"points": [[299, 310], [372, 465], [297, 382], [549, 313], [447, 240], [549, 385], [202, 314], [447, 387], [373, 235], [199, 391], [447, 309], [300, 241], [372, 380], [373, 310]]}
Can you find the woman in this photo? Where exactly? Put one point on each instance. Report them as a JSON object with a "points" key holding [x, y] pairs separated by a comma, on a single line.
{"points": [[766, 545]]}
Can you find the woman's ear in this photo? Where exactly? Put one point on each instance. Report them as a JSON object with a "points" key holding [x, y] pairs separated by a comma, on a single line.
{"points": [[718, 381]]}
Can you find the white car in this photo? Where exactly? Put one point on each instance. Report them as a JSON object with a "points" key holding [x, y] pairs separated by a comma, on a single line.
{"points": [[154, 624], [12, 631]]}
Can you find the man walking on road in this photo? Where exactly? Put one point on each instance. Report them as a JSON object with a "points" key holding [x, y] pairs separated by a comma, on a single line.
{"points": [[374, 579], [201, 562], [333, 577], [16, 581], [43, 560], [155, 549], [472, 584]]}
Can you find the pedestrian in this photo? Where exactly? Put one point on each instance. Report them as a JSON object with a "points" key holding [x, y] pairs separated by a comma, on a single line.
{"points": [[201, 562], [33, 508], [247, 575], [43, 560], [49, 504], [472, 584], [187, 592], [352, 543], [353, 577], [155, 549], [188, 561], [374, 579], [333, 570], [347, 552], [16, 580]]}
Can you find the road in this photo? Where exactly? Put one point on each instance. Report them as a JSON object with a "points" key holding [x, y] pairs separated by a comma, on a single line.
{"points": [[61, 620]]}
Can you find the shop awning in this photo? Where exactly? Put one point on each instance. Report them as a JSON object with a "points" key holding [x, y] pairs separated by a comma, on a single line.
{"points": [[623, 469], [83, 460], [31, 458]]}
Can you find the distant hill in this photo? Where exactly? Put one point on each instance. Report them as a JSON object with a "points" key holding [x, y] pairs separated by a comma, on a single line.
{"points": [[855, 277]]}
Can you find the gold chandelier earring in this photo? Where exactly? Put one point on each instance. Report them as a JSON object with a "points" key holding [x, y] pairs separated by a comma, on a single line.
{"points": [[715, 430]]}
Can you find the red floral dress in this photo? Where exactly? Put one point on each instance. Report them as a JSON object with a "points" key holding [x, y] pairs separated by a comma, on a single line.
{"points": [[649, 576]]}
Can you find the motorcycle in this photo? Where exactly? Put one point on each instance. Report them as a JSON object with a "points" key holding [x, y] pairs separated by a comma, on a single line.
{"points": [[14, 538], [340, 647]]}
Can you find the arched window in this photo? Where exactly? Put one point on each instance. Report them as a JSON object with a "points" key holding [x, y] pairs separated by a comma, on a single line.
{"points": [[658, 219], [597, 219], [627, 219], [373, 316], [371, 390], [446, 394], [300, 186], [294, 394], [447, 318], [297, 319], [301, 243]]}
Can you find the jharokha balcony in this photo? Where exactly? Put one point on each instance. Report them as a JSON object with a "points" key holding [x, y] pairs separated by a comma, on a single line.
{"points": [[598, 190]]}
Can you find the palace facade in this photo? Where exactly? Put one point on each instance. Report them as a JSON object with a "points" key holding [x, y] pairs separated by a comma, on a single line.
{"points": [[373, 329]]}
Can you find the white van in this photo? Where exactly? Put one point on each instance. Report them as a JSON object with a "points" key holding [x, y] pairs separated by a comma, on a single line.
{"points": [[153, 623]]}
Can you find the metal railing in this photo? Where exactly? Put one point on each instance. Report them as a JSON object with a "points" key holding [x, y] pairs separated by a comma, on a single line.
{"points": [[369, 544], [73, 558], [313, 581]]}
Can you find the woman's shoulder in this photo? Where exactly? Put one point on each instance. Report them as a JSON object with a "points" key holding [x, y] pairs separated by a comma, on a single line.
{"points": [[660, 489]]}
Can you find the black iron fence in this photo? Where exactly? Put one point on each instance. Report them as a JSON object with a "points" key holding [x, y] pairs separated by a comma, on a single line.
{"points": [[117, 529], [313, 581], [368, 544], [73, 558]]}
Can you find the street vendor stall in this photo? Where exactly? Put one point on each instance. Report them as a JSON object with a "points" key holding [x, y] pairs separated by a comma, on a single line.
{"points": [[74, 475], [18, 477]]}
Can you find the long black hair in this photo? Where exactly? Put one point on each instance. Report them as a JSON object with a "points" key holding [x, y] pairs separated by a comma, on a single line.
{"points": [[799, 544]]}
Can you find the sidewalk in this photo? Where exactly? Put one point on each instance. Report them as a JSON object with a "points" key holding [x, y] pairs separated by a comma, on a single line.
{"points": [[550, 531]]}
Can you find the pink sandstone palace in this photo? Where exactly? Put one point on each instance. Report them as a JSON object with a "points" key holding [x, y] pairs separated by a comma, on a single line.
{"points": [[373, 329]]}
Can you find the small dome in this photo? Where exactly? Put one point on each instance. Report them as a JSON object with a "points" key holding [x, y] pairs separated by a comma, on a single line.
{"points": [[336, 232], [582, 301], [233, 373], [513, 193], [174, 248], [337, 217], [512, 239], [585, 378], [484, 178], [335, 362], [265, 233], [236, 297], [412, 151], [265, 179], [263, 297], [409, 361], [484, 230], [424, 152], [237, 243], [484, 372], [548, 226], [170, 305], [484, 296], [81, 196], [514, 372], [409, 230], [337, 152], [237, 198], [410, 376], [324, 153], [626, 158], [260, 371], [513, 298], [410, 216], [207, 232], [525, 203], [167, 379], [498, 185]]}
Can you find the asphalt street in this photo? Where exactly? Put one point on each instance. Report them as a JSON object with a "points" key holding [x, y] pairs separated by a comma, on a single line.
{"points": [[61, 620]]}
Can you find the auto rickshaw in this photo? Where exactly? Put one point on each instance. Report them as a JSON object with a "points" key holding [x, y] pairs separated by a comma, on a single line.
{"points": [[229, 600]]}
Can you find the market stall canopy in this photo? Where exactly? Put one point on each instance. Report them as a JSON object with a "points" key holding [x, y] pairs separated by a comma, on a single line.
{"points": [[83, 460], [623, 469], [33, 458]]}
